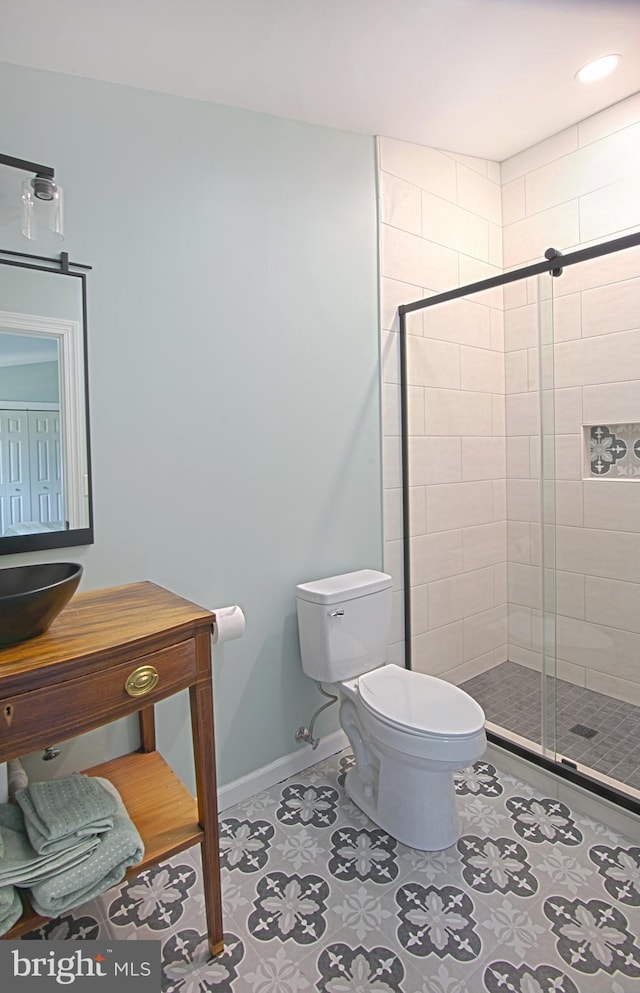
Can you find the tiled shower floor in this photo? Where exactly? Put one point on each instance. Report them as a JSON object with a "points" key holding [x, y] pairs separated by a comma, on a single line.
{"points": [[534, 898], [510, 696]]}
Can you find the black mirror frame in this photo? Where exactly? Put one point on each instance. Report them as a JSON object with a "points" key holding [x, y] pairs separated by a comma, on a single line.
{"points": [[14, 544]]}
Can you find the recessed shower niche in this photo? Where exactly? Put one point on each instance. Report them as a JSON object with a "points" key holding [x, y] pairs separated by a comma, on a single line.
{"points": [[613, 451]]}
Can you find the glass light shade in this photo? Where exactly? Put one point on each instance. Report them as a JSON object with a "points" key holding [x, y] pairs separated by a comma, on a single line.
{"points": [[42, 218], [598, 69]]}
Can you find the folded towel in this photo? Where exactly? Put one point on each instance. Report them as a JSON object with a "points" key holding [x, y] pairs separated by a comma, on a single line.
{"points": [[117, 849], [60, 812], [10, 907], [21, 865]]}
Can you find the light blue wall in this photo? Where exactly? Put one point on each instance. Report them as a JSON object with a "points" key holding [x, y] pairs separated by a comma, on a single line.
{"points": [[233, 354]]}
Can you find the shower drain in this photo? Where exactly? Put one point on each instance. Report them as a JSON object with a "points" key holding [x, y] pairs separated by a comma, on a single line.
{"points": [[583, 731]]}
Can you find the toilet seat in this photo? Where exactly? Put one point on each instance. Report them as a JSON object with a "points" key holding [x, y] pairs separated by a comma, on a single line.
{"points": [[419, 704]]}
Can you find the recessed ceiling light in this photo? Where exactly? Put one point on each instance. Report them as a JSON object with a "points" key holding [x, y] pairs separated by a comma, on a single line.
{"points": [[598, 69]]}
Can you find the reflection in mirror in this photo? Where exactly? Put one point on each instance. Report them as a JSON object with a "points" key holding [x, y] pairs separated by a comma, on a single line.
{"points": [[45, 491]]}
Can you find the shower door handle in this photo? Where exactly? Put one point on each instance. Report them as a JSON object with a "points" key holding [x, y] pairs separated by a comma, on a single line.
{"points": [[336, 613]]}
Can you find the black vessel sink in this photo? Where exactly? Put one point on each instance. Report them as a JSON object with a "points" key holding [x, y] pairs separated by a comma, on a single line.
{"points": [[32, 596]]}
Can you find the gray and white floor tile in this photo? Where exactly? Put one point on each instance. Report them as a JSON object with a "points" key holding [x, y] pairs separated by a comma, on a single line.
{"points": [[534, 898]]}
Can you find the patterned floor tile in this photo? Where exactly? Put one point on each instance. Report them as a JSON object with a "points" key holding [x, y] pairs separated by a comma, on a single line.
{"points": [[534, 898]]}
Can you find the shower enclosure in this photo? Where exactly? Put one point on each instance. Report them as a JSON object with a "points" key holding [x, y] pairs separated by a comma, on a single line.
{"points": [[521, 507]]}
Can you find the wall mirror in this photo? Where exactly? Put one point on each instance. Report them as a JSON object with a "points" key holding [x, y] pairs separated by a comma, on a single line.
{"points": [[45, 468]]}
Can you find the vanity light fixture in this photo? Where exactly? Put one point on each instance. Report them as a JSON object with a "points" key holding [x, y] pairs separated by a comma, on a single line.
{"points": [[41, 200], [598, 68]]}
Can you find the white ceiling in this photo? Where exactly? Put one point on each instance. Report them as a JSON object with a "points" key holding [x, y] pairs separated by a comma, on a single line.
{"points": [[480, 77]]}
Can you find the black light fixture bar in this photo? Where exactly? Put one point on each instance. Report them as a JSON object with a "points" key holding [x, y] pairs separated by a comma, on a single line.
{"points": [[40, 170]]}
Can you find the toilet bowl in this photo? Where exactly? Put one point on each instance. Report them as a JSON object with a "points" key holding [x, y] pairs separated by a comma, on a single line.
{"points": [[409, 731]]}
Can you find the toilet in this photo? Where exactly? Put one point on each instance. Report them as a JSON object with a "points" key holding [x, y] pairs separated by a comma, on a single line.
{"points": [[409, 732]]}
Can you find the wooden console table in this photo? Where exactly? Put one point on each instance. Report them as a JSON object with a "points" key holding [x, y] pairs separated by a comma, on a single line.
{"points": [[109, 654]]}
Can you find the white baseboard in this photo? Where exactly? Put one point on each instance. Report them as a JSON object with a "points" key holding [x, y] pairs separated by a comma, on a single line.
{"points": [[267, 776]]}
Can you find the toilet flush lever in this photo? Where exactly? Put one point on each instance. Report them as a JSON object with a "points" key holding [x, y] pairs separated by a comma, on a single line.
{"points": [[336, 613]]}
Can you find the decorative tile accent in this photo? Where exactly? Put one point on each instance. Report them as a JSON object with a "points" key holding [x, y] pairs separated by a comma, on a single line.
{"points": [[437, 922], [350, 910], [289, 907], [155, 898], [593, 936], [244, 845], [621, 870], [502, 976], [496, 865], [543, 820], [351, 969], [477, 779], [614, 450], [187, 966], [303, 804], [363, 855]]}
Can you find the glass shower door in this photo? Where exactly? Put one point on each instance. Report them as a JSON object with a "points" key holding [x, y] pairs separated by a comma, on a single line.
{"points": [[547, 620]]}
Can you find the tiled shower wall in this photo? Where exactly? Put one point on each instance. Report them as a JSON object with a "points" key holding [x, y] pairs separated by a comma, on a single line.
{"points": [[577, 188], [440, 228], [447, 220]]}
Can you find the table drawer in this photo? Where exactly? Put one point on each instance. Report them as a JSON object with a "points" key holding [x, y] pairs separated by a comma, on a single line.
{"points": [[64, 710]]}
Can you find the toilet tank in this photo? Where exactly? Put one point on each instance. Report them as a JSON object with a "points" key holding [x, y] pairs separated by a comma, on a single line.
{"points": [[344, 624]]}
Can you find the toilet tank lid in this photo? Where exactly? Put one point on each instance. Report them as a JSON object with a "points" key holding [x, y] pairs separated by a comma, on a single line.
{"points": [[348, 586]]}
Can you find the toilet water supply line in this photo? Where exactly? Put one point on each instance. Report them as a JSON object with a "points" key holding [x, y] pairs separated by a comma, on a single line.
{"points": [[306, 734]]}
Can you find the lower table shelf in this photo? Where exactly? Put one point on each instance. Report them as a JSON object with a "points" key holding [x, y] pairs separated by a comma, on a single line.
{"points": [[163, 810]]}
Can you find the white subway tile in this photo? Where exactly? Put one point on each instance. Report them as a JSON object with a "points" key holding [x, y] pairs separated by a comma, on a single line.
{"points": [[484, 632], [474, 270], [483, 458], [417, 509], [419, 613], [431, 362], [436, 651], [613, 603], [392, 503], [460, 596], [513, 201], [484, 545], [427, 168], [570, 598], [434, 460], [415, 410], [601, 163], [523, 500], [497, 329], [481, 370], [568, 456], [518, 542], [540, 154], [524, 585], [436, 556], [614, 502], [459, 505], [568, 410], [447, 224], [391, 409], [612, 685], [597, 647], [523, 413], [495, 246], [390, 349], [393, 563], [519, 620], [392, 461], [454, 412], [499, 499], [464, 321], [606, 122], [498, 416], [518, 466], [612, 402], [609, 554], [516, 371], [599, 272], [400, 203], [521, 328], [611, 210], [568, 502], [393, 293], [479, 195], [611, 308], [471, 162], [567, 317], [530, 238], [411, 259]]}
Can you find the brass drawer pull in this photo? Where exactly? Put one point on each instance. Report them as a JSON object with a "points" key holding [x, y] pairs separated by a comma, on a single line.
{"points": [[142, 680]]}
